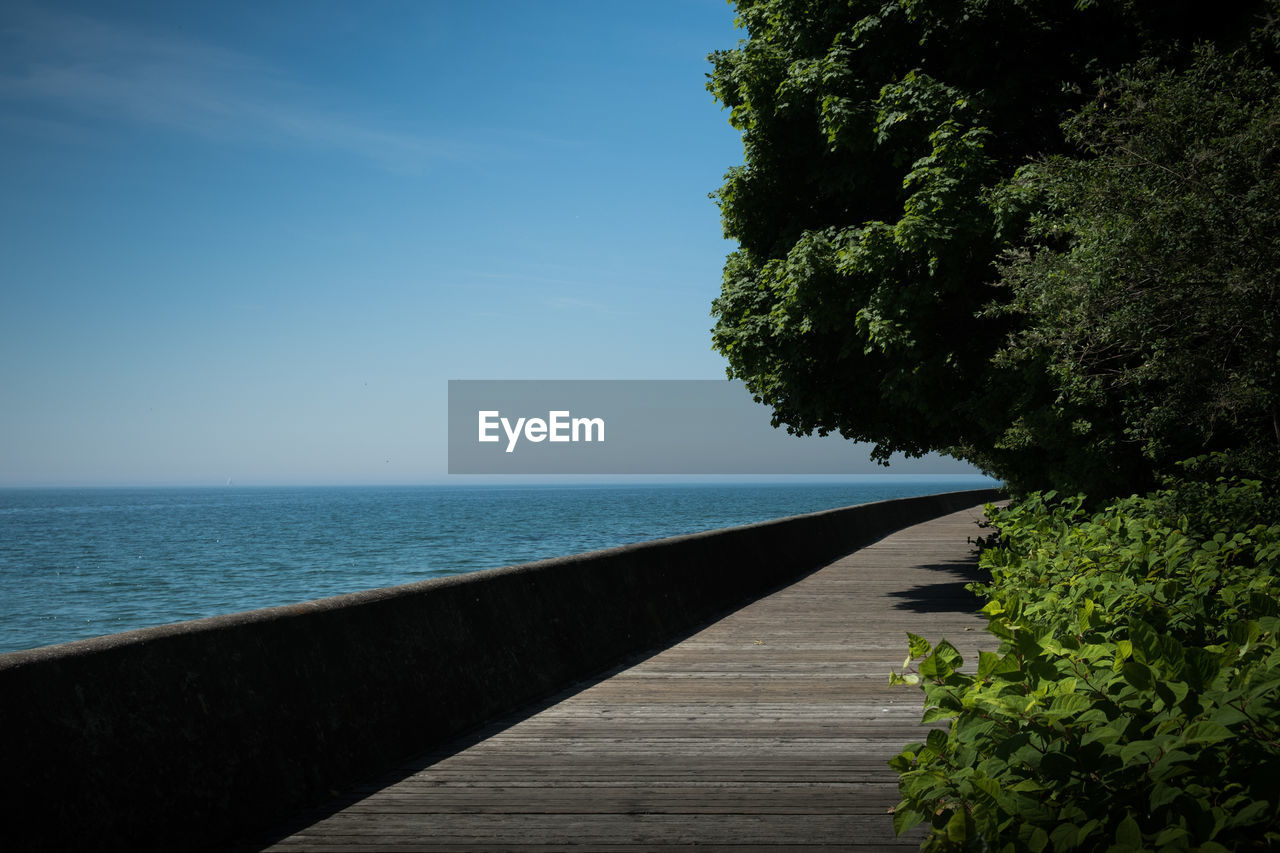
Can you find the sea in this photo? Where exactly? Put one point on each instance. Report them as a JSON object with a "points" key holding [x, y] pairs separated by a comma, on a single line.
{"points": [[83, 562]]}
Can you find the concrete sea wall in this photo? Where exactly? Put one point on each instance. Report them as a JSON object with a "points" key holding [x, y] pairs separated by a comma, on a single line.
{"points": [[184, 736]]}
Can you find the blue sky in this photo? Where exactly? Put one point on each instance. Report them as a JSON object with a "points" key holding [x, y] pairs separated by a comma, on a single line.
{"points": [[255, 240]]}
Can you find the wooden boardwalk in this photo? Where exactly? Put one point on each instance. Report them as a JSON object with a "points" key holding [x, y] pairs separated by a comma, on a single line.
{"points": [[765, 731]]}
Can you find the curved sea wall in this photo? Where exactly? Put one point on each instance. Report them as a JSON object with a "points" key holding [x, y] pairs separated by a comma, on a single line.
{"points": [[187, 735]]}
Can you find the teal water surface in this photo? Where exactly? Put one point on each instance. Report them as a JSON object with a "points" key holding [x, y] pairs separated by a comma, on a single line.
{"points": [[77, 563]]}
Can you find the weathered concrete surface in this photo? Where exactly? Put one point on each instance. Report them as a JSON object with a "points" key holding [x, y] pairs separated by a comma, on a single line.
{"points": [[184, 735]]}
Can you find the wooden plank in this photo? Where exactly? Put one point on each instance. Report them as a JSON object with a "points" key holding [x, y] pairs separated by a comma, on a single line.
{"points": [[768, 730], [472, 845], [589, 830]]}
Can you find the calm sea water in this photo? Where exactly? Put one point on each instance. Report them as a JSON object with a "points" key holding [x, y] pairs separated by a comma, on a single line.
{"points": [[78, 563]]}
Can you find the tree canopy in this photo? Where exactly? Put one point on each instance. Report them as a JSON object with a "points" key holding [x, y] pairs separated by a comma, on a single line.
{"points": [[1037, 235]]}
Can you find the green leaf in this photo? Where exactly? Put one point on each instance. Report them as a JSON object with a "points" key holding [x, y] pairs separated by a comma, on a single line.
{"points": [[904, 818], [1200, 668], [1069, 703], [1228, 715], [1170, 835], [1206, 731], [1065, 836], [939, 664], [934, 714], [989, 787], [1265, 606], [1134, 750], [1137, 674], [1162, 795], [1103, 734], [987, 663], [1173, 763], [948, 654], [1146, 642], [1129, 834], [1243, 633]]}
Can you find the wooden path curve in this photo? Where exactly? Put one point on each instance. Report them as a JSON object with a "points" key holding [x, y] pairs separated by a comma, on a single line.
{"points": [[768, 730]]}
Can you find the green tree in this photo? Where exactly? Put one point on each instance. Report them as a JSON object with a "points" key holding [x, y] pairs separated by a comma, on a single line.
{"points": [[1148, 284], [875, 199]]}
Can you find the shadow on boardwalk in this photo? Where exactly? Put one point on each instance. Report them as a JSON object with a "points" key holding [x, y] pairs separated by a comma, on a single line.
{"points": [[948, 593]]}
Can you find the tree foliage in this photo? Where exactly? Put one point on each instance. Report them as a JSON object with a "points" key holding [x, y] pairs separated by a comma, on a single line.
{"points": [[1147, 286], [885, 185]]}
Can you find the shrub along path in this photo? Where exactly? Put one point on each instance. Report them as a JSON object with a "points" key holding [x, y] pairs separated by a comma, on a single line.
{"points": [[767, 730]]}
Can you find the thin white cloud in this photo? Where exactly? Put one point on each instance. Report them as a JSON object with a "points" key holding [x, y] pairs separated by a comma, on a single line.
{"points": [[74, 66], [511, 281], [631, 280], [574, 304]]}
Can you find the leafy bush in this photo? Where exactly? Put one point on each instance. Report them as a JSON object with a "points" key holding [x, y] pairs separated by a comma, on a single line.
{"points": [[1134, 703]]}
